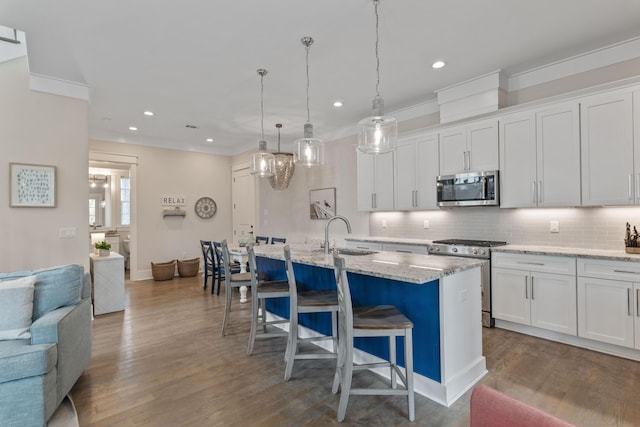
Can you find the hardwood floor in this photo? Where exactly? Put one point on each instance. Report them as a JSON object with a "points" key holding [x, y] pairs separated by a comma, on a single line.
{"points": [[162, 362]]}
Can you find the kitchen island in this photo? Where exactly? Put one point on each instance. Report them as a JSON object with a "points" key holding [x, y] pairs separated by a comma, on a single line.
{"points": [[441, 296]]}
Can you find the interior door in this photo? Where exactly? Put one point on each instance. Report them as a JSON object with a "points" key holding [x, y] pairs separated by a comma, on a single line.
{"points": [[244, 202]]}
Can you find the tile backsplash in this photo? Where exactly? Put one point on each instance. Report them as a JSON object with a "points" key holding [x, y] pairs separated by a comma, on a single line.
{"points": [[598, 228]]}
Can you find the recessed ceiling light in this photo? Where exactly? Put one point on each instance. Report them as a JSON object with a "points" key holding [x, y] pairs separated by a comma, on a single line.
{"points": [[438, 64], [209, 139], [148, 113], [337, 104], [133, 128]]}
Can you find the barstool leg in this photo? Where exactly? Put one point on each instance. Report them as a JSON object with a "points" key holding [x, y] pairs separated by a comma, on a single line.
{"points": [[254, 320], [334, 331], [392, 361], [227, 308], [292, 346], [347, 374], [408, 362]]}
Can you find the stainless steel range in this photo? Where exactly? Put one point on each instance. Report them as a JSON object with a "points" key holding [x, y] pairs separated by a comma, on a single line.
{"points": [[472, 249]]}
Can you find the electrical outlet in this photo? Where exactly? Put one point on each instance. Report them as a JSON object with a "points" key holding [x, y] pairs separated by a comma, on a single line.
{"points": [[384, 223], [554, 226], [184, 255], [425, 224]]}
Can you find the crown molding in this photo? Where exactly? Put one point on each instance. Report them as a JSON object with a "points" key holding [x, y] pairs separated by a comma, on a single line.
{"points": [[59, 87]]}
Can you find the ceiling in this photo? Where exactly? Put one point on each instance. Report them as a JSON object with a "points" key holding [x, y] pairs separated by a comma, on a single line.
{"points": [[194, 62]]}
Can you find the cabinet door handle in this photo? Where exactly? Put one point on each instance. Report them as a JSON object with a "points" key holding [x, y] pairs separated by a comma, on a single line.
{"points": [[526, 291], [539, 191], [533, 191], [629, 301], [624, 271], [415, 198], [630, 194], [468, 161], [530, 263], [637, 302], [637, 187], [532, 297]]}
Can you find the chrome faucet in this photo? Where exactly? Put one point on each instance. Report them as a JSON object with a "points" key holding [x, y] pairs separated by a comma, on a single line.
{"points": [[326, 231]]}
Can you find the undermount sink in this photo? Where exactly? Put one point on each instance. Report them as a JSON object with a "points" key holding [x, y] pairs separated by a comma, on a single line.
{"points": [[353, 251]]}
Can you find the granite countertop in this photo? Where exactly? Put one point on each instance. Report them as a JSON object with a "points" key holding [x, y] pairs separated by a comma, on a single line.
{"points": [[405, 267], [614, 255], [419, 242]]}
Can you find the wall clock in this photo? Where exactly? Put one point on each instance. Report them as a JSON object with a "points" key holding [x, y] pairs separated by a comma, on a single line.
{"points": [[206, 207]]}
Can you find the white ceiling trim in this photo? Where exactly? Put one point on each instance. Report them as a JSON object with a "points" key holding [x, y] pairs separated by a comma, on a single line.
{"points": [[594, 59], [59, 87]]}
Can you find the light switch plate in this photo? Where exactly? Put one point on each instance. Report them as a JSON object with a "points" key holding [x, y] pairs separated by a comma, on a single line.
{"points": [[384, 223], [554, 226], [425, 224], [67, 232]]}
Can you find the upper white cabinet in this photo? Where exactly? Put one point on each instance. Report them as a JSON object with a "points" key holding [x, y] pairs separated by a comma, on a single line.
{"points": [[416, 172], [540, 157], [608, 174], [375, 182], [469, 148]]}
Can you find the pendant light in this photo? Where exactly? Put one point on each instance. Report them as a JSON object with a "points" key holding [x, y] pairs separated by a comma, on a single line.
{"points": [[284, 167], [263, 162], [308, 151], [377, 134]]}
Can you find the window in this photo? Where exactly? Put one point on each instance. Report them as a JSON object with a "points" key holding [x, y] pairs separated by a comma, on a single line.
{"points": [[92, 211], [125, 201]]}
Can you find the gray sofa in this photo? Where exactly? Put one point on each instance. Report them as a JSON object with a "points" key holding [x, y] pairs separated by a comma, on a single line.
{"points": [[41, 360]]}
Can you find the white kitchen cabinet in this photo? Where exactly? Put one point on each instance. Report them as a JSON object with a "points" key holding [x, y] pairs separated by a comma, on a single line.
{"points": [[540, 157], [417, 166], [375, 181], [364, 244], [608, 298], [405, 248], [607, 143], [535, 290], [469, 148]]}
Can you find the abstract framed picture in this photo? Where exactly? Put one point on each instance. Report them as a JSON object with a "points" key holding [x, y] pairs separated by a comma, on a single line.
{"points": [[322, 203], [32, 186]]}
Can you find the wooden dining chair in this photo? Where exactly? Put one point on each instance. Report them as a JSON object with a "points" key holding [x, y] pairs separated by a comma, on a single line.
{"points": [[375, 321], [275, 240], [260, 292], [262, 239], [220, 266], [208, 263], [319, 301], [232, 281]]}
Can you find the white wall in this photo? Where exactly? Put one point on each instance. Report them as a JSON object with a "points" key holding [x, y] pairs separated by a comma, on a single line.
{"points": [[41, 128], [162, 171], [286, 213]]}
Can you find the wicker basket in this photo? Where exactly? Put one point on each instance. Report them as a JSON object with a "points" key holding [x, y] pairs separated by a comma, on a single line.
{"points": [[188, 267], [163, 270]]}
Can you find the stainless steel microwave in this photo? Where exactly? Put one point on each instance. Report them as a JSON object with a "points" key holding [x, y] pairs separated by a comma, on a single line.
{"points": [[468, 189]]}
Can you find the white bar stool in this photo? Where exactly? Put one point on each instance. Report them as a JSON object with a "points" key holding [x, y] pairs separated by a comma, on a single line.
{"points": [[307, 302], [231, 281], [376, 321]]}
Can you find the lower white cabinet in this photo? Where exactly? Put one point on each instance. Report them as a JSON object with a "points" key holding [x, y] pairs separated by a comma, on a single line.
{"points": [[388, 246], [364, 244], [528, 289], [608, 299]]}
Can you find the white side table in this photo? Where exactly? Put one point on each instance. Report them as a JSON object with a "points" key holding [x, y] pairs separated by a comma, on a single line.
{"points": [[107, 274]]}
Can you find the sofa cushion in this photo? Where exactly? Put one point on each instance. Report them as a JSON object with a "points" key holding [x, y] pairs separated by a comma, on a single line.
{"points": [[16, 308], [19, 359], [56, 287]]}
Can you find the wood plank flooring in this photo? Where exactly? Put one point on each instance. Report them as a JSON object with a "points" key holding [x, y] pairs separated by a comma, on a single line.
{"points": [[162, 362]]}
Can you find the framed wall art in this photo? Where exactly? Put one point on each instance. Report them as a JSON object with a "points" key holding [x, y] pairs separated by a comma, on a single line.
{"points": [[32, 186], [322, 203]]}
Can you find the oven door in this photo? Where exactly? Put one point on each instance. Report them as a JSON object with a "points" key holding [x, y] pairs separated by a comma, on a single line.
{"points": [[470, 189]]}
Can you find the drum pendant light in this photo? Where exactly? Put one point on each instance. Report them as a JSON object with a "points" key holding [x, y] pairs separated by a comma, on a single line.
{"points": [[377, 134], [308, 151], [263, 163], [284, 167]]}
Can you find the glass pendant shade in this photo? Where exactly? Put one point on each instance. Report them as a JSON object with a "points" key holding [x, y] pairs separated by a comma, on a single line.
{"points": [[377, 134], [263, 163], [284, 167], [308, 151]]}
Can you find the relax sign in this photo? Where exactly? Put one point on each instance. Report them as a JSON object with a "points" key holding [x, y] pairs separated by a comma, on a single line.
{"points": [[173, 200]]}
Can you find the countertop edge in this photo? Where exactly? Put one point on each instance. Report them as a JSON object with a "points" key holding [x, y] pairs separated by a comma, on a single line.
{"points": [[609, 254]]}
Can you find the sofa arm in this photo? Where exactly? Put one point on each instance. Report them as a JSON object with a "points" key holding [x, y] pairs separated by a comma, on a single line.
{"points": [[70, 328]]}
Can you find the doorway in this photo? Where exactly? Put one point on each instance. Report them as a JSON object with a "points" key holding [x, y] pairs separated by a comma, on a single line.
{"points": [[243, 197]]}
